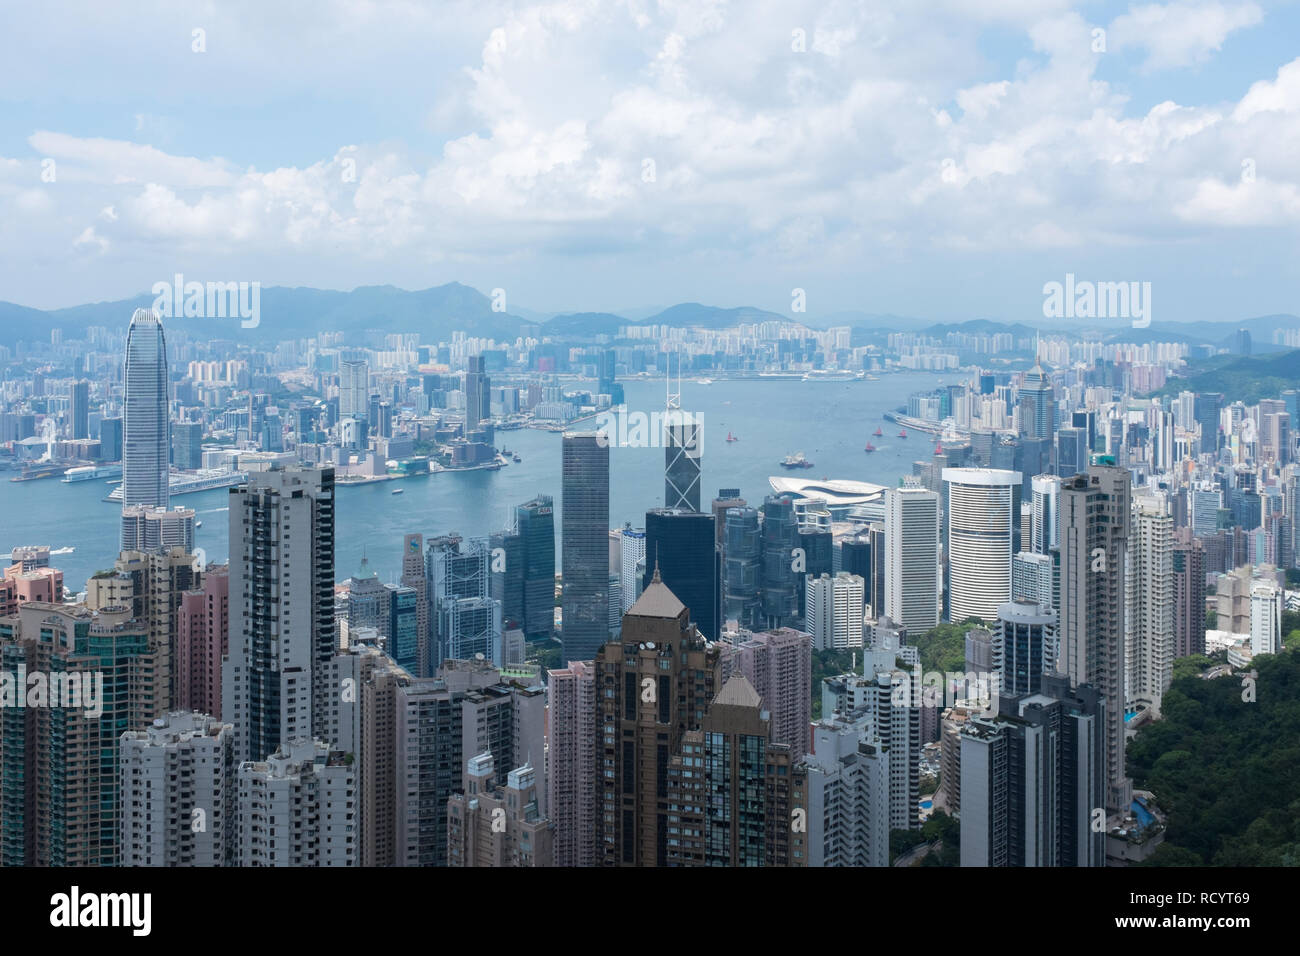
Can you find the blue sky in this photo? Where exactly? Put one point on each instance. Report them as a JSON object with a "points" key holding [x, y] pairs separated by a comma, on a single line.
{"points": [[938, 159]]}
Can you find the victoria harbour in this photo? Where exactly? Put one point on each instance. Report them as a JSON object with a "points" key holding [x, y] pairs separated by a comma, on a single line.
{"points": [[829, 421]]}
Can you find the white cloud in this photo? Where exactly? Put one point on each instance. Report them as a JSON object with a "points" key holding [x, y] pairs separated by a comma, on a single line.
{"points": [[1182, 33]]}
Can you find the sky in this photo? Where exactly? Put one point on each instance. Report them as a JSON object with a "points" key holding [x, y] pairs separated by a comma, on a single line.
{"points": [[942, 159]]}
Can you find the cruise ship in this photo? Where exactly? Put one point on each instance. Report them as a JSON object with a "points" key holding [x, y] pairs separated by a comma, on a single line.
{"points": [[190, 482], [91, 472]]}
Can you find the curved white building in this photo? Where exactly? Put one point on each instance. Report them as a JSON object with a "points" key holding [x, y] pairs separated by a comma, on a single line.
{"points": [[983, 511], [838, 493]]}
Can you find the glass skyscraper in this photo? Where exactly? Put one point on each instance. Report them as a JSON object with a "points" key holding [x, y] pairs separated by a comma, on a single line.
{"points": [[146, 436], [584, 545], [680, 543]]}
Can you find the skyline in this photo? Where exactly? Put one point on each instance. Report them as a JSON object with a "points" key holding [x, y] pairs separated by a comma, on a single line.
{"points": [[1001, 153]]}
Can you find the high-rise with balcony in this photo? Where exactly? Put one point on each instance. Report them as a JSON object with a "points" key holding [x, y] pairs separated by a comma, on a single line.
{"points": [[282, 630], [1149, 603], [571, 775], [1095, 522], [495, 826], [178, 790], [298, 807]]}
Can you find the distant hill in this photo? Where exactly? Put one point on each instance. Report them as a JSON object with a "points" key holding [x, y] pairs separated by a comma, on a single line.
{"points": [[1245, 378]]}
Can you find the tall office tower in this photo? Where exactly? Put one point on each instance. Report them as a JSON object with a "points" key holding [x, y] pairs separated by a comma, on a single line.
{"points": [[655, 683], [145, 528], [875, 594], [403, 626], [679, 548], [413, 577], [740, 810], [466, 620], [202, 636], [187, 445], [1205, 504], [979, 654], [145, 438], [818, 547], [983, 534], [1149, 604], [478, 391], [492, 826], [535, 523], [834, 610], [631, 559], [606, 370], [1033, 578], [855, 555], [177, 793], [80, 410], [742, 578], [1266, 603], [354, 389], [1207, 405], [1189, 594], [1095, 522], [727, 499], [1072, 451], [571, 762], [58, 763], [1037, 404], [110, 439], [282, 629], [683, 447], [298, 807], [848, 794], [779, 666], [912, 577], [506, 583], [442, 721], [779, 580], [1024, 647], [584, 543], [1031, 778], [151, 586]]}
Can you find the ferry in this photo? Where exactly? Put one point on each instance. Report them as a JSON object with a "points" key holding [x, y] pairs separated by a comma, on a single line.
{"points": [[796, 460], [90, 472], [398, 491]]}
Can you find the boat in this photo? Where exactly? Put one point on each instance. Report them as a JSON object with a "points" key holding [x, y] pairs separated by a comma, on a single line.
{"points": [[902, 433], [731, 437], [398, 491], [870, 447], [517, 459], [877, 433], [797, 460], [90, 472], [198, 524]]}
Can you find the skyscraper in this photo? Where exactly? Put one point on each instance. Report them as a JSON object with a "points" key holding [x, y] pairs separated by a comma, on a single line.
{"points": [[535, 521], [354, 389], [146, 437], [1189, 594], [912, 577], [683, 447], [1024, 647], [297, 807], [983, 535], [655, 685], [584, 544], [282, 629], [1095, 523], [680, 549], [1037, 404], [80, 410], [478, 391], [571, 761], [834, 610], [743, 567], [780, 580], [1149, 604]]}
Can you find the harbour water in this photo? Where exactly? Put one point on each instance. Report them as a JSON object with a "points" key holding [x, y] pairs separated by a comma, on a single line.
{"points": [[829, 421]]}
